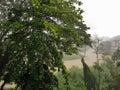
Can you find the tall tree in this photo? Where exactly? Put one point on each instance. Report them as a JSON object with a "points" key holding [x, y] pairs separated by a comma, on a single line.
{"points": [[89, 78], [37, 32], [96, 47], [116, 73]]}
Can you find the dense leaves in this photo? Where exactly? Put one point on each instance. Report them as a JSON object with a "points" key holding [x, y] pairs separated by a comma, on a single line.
{"points": [[76, 80], [116, 74], [80, 78], [116, 55], [89, 78], [33, 36]]}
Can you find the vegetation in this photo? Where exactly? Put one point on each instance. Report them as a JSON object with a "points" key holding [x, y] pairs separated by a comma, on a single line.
{"points": [[89, 78], [34, 34], [76, 80], [105, 48], [108, 80]]}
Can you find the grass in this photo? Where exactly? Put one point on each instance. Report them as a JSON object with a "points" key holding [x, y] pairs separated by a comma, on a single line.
{"points": [[71, 57]]}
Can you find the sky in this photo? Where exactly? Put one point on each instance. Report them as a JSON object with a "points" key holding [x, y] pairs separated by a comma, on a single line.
{"points": [[102, 16]]}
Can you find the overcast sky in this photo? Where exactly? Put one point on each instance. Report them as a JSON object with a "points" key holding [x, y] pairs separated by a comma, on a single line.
{"points": [[102, 16]]}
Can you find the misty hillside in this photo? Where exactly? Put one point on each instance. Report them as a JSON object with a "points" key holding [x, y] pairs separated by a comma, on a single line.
{"points": [[115, 41], [111, 43]]}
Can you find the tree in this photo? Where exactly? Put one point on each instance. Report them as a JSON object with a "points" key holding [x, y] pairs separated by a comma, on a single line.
{"points": [[96, 47], [116, 55], [89, 78], [34, 34], [105, 48], [76, 80], [106, 72], [116, 73]]}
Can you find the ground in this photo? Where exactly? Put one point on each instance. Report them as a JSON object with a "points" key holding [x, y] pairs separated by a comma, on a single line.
{"points": [[75, 60]]}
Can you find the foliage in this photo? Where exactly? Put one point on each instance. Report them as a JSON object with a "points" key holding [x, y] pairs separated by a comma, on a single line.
{"points": [[108, 74], [96, 47], [89, 78], [96, 44], [108, 80], [116, 75], [33, 36], [76, 79], [105, 69], [105, 48], [116, 55]]}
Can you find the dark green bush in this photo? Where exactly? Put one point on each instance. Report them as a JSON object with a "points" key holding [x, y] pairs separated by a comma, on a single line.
{"points": [[75, 77]]}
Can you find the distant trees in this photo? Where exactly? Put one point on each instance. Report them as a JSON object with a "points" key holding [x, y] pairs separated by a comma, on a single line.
{"points": [[116, 55], [105, 48], [110, 72], [33, 36], [87, 78]]}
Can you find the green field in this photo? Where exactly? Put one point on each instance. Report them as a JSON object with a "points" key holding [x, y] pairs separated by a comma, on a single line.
{"points": [[71, 57]]}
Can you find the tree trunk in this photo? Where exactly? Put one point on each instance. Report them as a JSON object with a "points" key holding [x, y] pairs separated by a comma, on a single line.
{"points": [[2, 86]]}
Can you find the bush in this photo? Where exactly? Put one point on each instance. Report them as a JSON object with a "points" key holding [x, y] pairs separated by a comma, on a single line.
{"points": [[75, 76]]}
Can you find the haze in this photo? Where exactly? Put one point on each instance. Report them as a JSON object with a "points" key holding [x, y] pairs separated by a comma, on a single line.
{"points": [[102, 16]]}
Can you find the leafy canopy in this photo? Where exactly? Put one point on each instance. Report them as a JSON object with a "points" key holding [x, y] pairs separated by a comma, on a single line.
{"points": [[34, 34]]}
